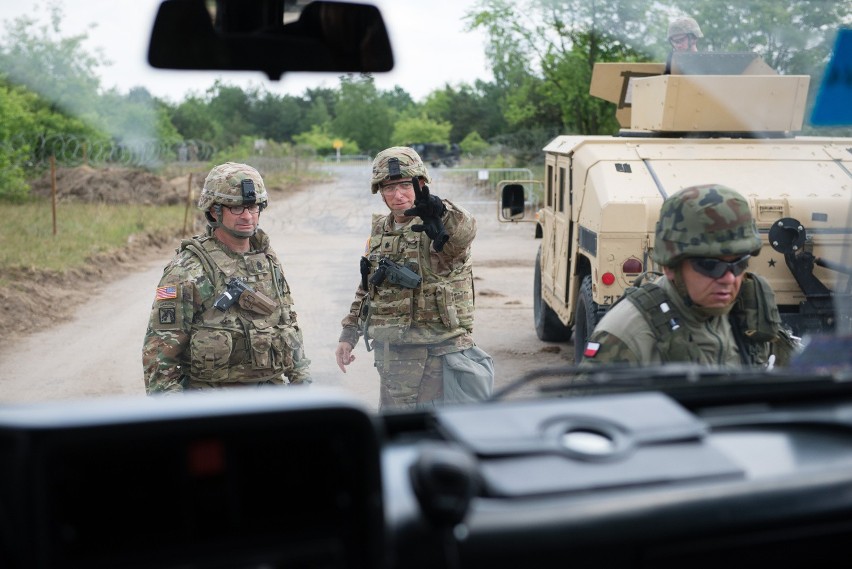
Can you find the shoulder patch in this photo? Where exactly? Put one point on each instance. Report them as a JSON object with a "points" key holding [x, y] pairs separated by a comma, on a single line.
{"points": [[166, 292], [592, 349]]}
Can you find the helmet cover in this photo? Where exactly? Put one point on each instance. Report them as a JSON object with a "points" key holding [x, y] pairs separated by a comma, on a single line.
{"points": [[397, 163], [232, 183], [684, 25], [704, 221]]}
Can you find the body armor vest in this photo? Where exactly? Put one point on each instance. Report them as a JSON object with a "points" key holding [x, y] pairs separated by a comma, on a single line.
{"points": [[441, 307], [239, 345], [754, 319]]}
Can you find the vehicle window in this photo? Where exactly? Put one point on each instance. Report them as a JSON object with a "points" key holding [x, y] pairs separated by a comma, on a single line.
{"points": [[549, 189], [107, 178]]}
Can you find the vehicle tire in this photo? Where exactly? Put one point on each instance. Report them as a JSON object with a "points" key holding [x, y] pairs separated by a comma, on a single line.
{"points": [[548, 327], [585, 318]]}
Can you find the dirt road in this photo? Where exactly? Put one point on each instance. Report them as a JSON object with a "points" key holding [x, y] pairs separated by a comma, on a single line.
{"points": [[319, 233]]}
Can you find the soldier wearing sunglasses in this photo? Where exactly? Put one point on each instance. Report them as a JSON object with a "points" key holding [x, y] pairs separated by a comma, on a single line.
{"points": [[706, 307]]}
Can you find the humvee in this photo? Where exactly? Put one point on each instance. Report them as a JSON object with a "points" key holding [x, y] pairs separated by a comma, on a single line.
{"points": [[717, 118], [438, 154]]}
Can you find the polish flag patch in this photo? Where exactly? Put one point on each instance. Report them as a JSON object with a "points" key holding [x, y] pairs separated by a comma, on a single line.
{"points": [[591, 350]]}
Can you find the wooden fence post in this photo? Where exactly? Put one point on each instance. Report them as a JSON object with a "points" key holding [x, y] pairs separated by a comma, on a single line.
{"points": [[188, 202], [53, 190]]}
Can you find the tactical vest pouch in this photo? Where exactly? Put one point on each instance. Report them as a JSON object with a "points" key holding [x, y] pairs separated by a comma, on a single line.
{"points": [[210, 350], [672, 341], [269, 350], [756, 311], [446, 306]]}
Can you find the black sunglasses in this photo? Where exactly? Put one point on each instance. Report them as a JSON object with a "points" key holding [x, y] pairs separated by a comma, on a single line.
{"points": [[716, 268]]}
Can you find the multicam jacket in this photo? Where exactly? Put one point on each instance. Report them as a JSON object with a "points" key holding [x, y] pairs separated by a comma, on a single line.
{"points": [[437, 312], [191, 344]]}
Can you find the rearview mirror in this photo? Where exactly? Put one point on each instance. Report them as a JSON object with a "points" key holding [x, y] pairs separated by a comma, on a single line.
{"points": [[253, 36]]}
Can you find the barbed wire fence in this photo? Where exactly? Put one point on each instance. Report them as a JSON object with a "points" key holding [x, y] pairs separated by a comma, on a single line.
{"points": [[74, 150]]}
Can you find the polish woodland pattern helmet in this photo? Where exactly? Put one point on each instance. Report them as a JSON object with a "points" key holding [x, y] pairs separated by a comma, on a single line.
{"points": [[397, 163], [704, 221]]}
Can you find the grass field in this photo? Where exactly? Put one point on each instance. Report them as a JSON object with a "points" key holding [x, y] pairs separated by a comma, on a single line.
{"points": [[82, 229]]}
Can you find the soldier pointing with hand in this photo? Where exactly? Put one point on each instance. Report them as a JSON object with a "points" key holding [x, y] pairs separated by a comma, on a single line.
{"points": [[415, 301]]}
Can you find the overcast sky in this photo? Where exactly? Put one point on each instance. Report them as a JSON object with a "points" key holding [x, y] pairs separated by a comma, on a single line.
{"points": [[422, 65]]}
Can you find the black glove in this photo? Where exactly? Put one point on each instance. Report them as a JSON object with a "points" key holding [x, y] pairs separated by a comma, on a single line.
{"points": [[430, 209]]}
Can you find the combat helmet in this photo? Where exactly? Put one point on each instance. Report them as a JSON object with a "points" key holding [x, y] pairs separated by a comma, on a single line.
{"points": [[684, 25], [229, 184], [704, 221], [397, 163]]}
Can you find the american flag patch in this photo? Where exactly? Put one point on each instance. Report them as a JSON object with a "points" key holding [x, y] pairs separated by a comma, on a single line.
{"points": [[166, 292], [591, 349]]}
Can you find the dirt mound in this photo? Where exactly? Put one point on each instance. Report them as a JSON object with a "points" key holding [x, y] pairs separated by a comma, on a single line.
{"points": [[43, 298], [112, 185]]}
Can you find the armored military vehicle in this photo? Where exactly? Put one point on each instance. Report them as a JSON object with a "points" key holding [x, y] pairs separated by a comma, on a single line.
{"points": [[437, 154], [717, 118]]}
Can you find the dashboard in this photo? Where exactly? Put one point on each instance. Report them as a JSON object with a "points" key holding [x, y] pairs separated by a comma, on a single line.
{"points": [[309, 478]]}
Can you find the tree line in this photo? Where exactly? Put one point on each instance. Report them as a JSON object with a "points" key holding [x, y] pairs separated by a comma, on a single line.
{"points": [[541, 54]]}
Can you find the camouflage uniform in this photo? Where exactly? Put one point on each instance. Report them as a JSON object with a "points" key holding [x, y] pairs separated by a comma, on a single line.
{"points": [[678, 27], [658, 322], [411, 329], [189, 343]]}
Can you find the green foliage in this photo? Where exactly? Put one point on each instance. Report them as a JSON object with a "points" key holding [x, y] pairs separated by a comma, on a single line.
{"points": [[543, 51], [362, 114], [136, 118], [793, 37], [420, 129], [563, 39], [249, 147], [14, 118], [230, 106], [473, 144], [57, 68], [322, 141], [468, 108], [193, 121]]}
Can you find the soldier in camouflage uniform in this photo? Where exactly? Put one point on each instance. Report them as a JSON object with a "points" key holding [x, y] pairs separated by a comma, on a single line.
{"points": [[683, 35], [415, 301], [223, 313], [706, 308]]}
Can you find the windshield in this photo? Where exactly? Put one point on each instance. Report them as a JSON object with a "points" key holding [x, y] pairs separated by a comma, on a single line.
{"points": [[463, 223]]}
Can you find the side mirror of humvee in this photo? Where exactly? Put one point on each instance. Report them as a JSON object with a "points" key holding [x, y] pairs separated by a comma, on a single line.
{"points": [[512, 202]]}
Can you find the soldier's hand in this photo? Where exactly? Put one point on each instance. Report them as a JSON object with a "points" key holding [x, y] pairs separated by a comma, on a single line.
{"points": [[429, 208], [426, 205], [344, 355], [434, 228]]}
